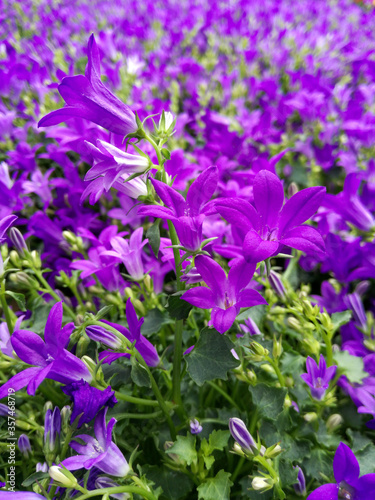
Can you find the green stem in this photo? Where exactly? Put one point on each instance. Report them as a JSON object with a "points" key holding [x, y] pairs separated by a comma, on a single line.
{"points": [[157, 150], [136, 401], [177, 358], [119, 489], [52, 292], [176, 254], [238, 468], [4, 305], [225, 395], [275, 366], [328, 342], [272, 473], [122, 416]]}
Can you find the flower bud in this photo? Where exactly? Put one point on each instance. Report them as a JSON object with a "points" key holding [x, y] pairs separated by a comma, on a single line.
{"points": [[277, 347], [258, 351], [241, 435], [273, 451], [262, 483], [310, 417], [66, 413], [24, 445], [52, 429], [300, 486], [62, 476], [276, 284], [42, 467], [36, 260], [334, 421], [18, 240], [101, 334]]}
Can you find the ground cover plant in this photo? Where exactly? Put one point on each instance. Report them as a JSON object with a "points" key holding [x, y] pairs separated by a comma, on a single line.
{"points": [[187, 224]]}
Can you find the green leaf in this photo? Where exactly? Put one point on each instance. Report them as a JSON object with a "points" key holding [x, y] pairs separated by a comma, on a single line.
{"points": [[19, 298], [359, 441], [292, 363], [139, 374], [184, 447], [269, 400], [175, 485], [178, 308], [36, 476], [366, 459], [154, 321], [351, 366], [256, 313], [319, 462], [211, 358], [288, 475], [208, 461], [340, 318], [217, 488], [166, 153], [103, 312], [153, 235], [218, 440]]}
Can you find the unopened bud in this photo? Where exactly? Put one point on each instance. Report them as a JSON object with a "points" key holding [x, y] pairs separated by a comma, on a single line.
{"points": [[36, 260], [101, 334], [334, 421], [62, 476], [310, 417], [273, 451], [258, 351], [294, 323], [292, 189], [277, 284], [241, 435], [18, 240], [24, 445], [262, 483], [277, 347]]}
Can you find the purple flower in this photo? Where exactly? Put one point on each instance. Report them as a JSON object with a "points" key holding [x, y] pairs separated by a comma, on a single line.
{"points": [[270, 224], [187, 215], [195, 426], [88, 98], [24, 445], [318, 377], [52, 429], [88, 400], [98, 451], [300, 486], [348, 483], [367, 400], [225, 295], [144, 347], [50, 358], [5, 223], [241, 435], [22, 495]]}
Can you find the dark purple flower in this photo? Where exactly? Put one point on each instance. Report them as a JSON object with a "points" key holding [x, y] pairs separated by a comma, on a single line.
{"points": [[87, 400], [144, 346], [271, 223], [50, 358], [300, 486], [187, 215], [225, 295], [98, 451], [88, 98], [318, 377], [349, 485]]}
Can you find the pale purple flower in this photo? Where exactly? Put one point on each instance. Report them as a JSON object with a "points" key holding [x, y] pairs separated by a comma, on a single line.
{"points": [[318, 377], [195, 426], [241, 435]]}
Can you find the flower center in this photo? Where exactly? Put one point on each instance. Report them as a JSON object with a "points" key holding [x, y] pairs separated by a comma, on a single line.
{"points": [[318, 383], [227, 303], [269, 234], [97, 447], [49, 358], [346, 492]]}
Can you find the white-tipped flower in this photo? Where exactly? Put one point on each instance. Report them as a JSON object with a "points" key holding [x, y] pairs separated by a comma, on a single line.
{"points": [[261, 483], [62, 476], [240, 433]]}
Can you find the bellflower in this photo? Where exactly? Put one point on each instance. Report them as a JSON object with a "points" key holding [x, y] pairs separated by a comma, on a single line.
{"points": [[5, 223], [87, 400], [349, 485], [270, 224], [49, 357], [195, 426], [187, 215], [112, 163], [133, 333], [98, 451], [318, 377], [87, 97], [241, 435], [225, 295], [52, 429]]}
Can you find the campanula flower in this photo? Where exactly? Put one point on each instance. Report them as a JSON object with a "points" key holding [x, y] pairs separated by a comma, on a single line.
{"points": [[270, 223], [195, 426], [87, 97], [241, 435], [49, 358], [52, 429], [5, 223], [300, 486], [24, 445], [98, 451], [349, 485], [225, 295], [187, 215], [318, 377], [87, 400]]}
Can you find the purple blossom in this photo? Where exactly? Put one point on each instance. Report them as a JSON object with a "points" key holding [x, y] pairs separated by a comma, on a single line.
{"points": [[270, 224], [300, 486], [5, 223], [318, 377], [195, 426], [24, 445], [88, 98], [87, 400], [50, 359], [348, 483], [241, 435], [98, 451], [133, 333], [225, 295], [187, 215]]}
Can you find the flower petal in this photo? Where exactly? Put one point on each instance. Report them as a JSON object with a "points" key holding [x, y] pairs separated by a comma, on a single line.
{"points": [[170, 197], [268, 197], [19, 381], [239, 213], [29, 347], [345, 465], [255, 249], [212, 274], [202, 190], [325, 492], [305, 238], [200, 296], [250, 298], [223, 319]]}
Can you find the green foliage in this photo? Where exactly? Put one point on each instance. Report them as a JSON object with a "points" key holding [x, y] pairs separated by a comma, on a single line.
{"points": [[153, 235], [178, 308], [351, 366], [269, 400], [184, 448], [217, 488]]}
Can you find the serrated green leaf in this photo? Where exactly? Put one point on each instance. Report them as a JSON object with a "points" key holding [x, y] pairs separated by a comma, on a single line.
{"points": [[211, 358], [319, 462], [19, 298], [359, 441], [366, 459], [184, 447], [256, 313], [340, 318], [351, 366], [139, 374], [154, 321], [288, 475], [178, 308], [175, 485], [209, 461], [269, 400], [153, 235], [217, 488]]}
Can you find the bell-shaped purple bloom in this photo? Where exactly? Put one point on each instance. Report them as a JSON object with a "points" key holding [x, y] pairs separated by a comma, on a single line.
{"points": [[87, 97], [241, 435], [271, 224], [318, 377], [87, 400], [187, 215], [195, 426], [24, 445], [50, 359], [52, 428], [144, 346], [300, 486], [349, 485], [98, 451], [5, 223], [225, 295]]}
